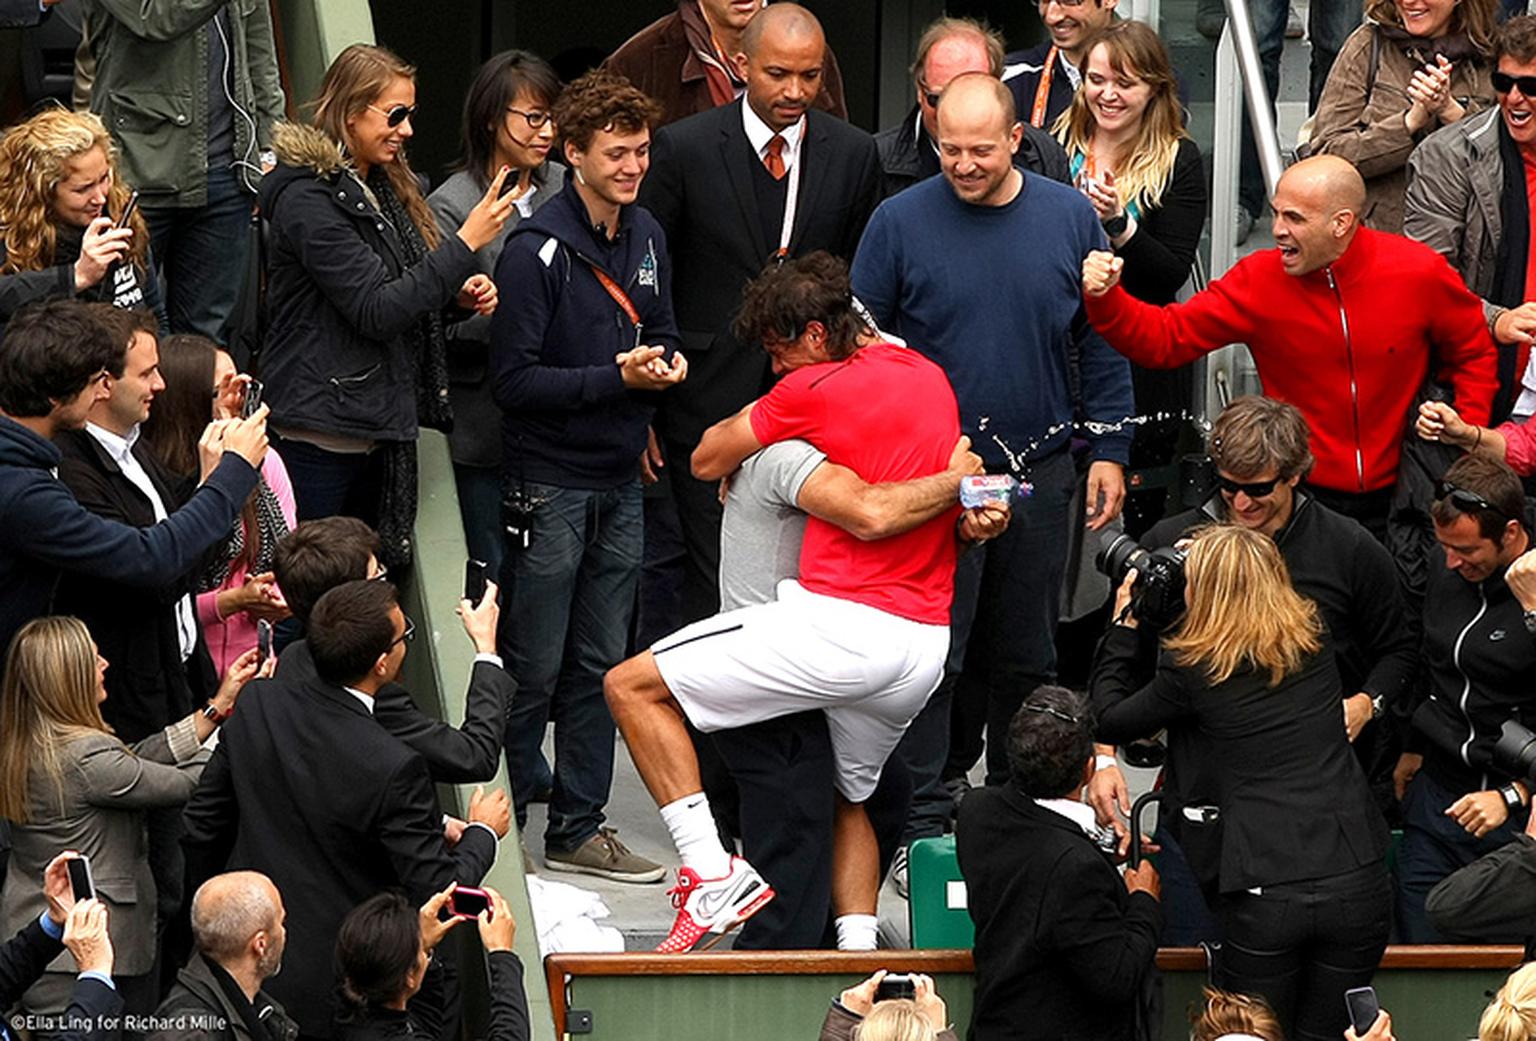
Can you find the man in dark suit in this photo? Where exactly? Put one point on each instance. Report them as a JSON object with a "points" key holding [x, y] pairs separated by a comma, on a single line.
{"points": [[23, 14], [307, 788], [95, 1008], [1064, 947], [735, 188]]}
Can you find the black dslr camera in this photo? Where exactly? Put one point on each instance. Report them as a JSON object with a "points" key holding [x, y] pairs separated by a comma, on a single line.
{"points": [[1157, 598], [1515, 751]]}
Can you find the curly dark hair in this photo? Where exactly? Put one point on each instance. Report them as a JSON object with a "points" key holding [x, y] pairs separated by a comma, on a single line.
{"points": [[1050, 741], [603, 101], [777, 305]]}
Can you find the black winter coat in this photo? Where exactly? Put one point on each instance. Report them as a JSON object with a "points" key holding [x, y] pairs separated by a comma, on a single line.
{"points": [[907, 157], [340, 300]]}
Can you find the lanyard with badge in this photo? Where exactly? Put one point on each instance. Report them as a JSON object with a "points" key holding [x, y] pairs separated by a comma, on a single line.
{"points": [[791, 201], [619, 297]]}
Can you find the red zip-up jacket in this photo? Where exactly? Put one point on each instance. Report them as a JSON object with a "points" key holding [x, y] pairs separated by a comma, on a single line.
{"points": [[1349, 345]]}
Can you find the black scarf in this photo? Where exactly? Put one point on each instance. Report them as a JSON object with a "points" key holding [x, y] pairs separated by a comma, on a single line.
{"points": [[428, 346], [1457, 47], [271, 525]]}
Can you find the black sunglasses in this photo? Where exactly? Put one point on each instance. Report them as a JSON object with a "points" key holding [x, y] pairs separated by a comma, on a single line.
{"points": [[397, 114], [1503, 83], [930, 97], [1046, 710], [535, 119], [1465, 501], [1252, 489]]}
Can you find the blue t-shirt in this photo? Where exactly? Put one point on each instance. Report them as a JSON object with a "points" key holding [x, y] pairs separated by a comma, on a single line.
{"points": [[993, 294]]}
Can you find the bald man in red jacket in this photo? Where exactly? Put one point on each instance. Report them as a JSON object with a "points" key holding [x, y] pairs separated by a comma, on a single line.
{"points": [[1343, 322]]}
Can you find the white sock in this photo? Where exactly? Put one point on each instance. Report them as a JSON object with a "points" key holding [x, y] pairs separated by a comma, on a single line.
{"points": [[857, 932], [693, 832]]}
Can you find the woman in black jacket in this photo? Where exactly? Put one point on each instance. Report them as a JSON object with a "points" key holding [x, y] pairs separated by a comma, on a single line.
{"points": [[390, 989], [1131, 156], [1305, 901], [359, 277], [61, 202]]}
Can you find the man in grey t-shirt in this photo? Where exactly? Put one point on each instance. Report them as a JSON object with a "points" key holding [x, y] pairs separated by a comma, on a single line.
{"points": [[783, 768]]}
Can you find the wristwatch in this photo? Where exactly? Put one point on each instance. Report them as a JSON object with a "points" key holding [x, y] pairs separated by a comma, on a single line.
{"points": [[1530, 621], [1511, 797], [1378, 706], [1117, 224], [211, 712]]}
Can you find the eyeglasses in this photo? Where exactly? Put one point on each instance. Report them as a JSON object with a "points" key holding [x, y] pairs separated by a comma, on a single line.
{"points": [[1503, 83], [1059, 3], [1252, 489], [379, 575], [396, 114], [535, 119], [408, 635], [1046, 710], [1466, 501], [930, 97]]}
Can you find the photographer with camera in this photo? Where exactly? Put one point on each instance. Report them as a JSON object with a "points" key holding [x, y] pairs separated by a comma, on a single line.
{"points": [[1479, 664], [889, 1007], [1260, 450], [1305, 900]]}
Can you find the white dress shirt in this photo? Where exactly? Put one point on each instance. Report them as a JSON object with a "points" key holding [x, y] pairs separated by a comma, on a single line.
{"points": [[121, 451]]}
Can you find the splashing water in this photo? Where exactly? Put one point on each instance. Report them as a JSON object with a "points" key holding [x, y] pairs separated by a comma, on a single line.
{"points": [[1017, 457]]}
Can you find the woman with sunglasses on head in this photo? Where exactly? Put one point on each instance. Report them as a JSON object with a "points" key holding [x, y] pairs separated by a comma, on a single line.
{"points": [[361, 282], [1413, 67], [1302, 893], [1131, 156], [61, 207], [236, 588], [507, 125]]}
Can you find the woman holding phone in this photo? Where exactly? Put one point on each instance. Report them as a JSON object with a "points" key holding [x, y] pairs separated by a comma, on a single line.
{"points": [[361, 283], [1305, 902], [237, 589], [507, 126], [66, 224], [66, 782]]}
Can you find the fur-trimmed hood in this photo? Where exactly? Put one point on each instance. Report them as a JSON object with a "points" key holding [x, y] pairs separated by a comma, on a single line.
{"points": [[299, 144]]}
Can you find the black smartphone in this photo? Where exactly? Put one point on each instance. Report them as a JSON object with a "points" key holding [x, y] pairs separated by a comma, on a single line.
{"points": [[80, 881], [263, 642], [1363, 1008], [514, 178], [127, 215], [252, 401], [474, 580], [895, 985], [465, 902]]}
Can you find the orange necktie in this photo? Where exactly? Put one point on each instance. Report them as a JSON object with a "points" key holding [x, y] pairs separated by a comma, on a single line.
{"points": [[773, 159]]}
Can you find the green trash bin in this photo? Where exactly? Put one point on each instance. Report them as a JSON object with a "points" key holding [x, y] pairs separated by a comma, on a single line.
{"points": [[936, 904]]}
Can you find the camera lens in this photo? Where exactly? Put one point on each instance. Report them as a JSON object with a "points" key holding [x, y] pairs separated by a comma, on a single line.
{"points": [[1118, 556]]}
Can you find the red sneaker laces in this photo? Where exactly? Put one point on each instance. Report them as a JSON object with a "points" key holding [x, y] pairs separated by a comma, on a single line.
{"points": [[687, 882]]}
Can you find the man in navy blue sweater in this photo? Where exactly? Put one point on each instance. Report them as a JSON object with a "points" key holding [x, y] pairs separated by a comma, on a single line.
{"points": [[978, 269], [56, 361], [577, 363]]}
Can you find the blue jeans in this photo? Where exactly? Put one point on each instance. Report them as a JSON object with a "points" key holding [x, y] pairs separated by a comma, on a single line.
{"points": [[1329, 23], [331, 484], [1009, 647], [567, 602], [202, 255], [1433, 846]]}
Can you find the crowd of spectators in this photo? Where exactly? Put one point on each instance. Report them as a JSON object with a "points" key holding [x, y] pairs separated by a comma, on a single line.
{"points": [[688, 267]]}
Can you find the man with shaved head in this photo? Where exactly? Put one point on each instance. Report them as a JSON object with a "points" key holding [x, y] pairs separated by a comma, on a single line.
{"points": [[764, 179], [1344, 322], [690, 60], [238, 923], [949, 47], [977, 270]]}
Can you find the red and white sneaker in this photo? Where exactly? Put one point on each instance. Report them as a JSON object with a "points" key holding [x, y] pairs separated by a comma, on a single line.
{"points": [[715, 905]]}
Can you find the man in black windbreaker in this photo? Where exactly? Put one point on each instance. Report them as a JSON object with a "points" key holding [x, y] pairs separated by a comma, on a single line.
{"points": [[1479, 669]]}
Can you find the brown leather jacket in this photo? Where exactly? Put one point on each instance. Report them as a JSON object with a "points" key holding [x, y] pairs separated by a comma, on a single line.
{"points": [[658, 60]]}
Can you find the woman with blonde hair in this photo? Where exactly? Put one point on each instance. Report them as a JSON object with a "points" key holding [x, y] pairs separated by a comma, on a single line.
{"points": [[1280, 810], [360, 283], [66, 782], [60, 206], [1221, 1014], [1511, 1015], [857, 1015], [1413, 67], [1131, 156]]}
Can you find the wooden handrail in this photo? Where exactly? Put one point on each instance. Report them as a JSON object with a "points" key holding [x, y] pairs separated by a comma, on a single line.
{"points": [[559, 967]]}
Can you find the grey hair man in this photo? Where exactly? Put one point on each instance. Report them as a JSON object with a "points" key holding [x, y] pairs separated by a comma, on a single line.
{"points": [[238, 923]]}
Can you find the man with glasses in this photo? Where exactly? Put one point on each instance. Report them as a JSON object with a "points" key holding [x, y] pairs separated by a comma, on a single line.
{"points": [[1460, 204], [1260, 450], [949, 47], [309, 789], [1044, 78], [1478, 670]]}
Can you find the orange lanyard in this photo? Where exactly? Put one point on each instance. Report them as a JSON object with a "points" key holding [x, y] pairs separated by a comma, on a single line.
{"points": [[1043, 89], [619, 297]]}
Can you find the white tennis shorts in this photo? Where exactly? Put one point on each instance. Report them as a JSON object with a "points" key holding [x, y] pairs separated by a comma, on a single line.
{"points": [[871, 671]]}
